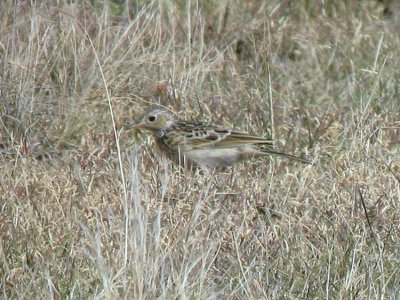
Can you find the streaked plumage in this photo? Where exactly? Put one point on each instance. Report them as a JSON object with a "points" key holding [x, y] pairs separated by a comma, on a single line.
{"points": [[198, 143]]}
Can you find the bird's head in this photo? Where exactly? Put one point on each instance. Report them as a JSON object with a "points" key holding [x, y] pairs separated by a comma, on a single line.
{"points": [[156, 120]]}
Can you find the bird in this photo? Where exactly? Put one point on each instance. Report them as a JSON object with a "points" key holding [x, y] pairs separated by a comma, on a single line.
{"points": [[202, 143]]}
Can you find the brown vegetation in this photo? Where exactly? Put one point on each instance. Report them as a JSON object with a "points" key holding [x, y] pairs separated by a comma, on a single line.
{"points": [[89, 210]]}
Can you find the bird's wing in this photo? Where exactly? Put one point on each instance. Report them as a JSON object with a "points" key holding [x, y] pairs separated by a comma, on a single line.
{"points": [[242, 138], [205, 135]]}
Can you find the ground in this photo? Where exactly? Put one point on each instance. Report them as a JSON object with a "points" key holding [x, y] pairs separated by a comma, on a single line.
{"points": [[90, 210]]}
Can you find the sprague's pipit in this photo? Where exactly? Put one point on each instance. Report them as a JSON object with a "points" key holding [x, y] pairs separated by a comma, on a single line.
{"points": [[203, 144]]}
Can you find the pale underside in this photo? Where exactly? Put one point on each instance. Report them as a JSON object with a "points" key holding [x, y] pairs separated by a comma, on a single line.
{"points": [[217, 158]]}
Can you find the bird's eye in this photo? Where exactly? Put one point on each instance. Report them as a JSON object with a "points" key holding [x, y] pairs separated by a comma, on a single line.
{"points": [[152, 118]]}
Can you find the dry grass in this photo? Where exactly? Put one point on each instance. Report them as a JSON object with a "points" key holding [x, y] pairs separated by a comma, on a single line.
{"points": [[88, 210]]}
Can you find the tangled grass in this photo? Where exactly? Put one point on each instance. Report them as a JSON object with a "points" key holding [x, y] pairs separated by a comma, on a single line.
{"points": [[88, 208]]}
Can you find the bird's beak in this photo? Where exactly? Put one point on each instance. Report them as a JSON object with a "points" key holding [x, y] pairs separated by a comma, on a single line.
{"points": [[139, 126]]}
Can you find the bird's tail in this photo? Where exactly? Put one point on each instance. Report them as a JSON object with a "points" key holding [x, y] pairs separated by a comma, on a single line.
{"points": [[273, 152]]}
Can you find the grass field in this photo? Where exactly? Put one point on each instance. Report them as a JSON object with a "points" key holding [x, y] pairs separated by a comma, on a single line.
{"points": [[89, 210]]}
